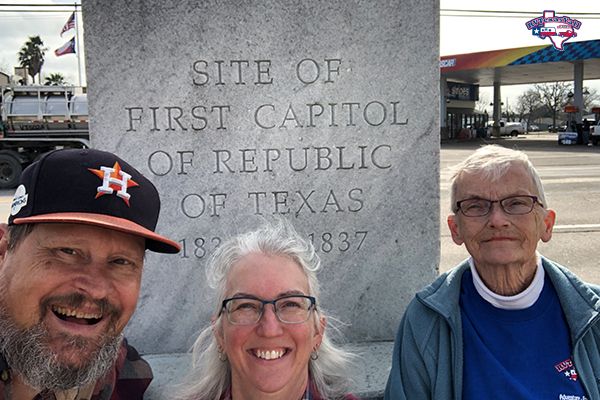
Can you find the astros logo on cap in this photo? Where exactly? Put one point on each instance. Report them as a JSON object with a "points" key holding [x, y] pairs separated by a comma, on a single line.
{"points": [[114, 179]]}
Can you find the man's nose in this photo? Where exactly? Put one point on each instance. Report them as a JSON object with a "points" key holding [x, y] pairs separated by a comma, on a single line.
{"points": [[93, 279]]}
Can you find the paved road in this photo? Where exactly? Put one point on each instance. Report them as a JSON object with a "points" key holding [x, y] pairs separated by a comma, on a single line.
{"points": [[571, 178]]}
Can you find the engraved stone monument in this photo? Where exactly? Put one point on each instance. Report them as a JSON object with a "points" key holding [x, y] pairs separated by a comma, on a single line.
{"points": [[325, 113]]}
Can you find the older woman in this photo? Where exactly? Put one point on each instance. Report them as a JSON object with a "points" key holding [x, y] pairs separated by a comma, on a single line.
{"points": [[507, 323], [267, 339]]}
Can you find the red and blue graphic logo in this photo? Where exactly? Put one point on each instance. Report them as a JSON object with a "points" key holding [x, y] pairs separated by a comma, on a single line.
{"points": [[567, 369], [558, 29]]}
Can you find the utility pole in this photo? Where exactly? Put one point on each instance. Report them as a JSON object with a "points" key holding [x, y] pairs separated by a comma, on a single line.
{"points": [[78, 43]]}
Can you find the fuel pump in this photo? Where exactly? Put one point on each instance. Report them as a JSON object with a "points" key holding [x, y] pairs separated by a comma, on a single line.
{"points": [[571, 136]]}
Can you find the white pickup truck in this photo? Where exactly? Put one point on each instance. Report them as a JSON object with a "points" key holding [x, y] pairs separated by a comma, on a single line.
{"points": [[595, 134], [508, 128]]}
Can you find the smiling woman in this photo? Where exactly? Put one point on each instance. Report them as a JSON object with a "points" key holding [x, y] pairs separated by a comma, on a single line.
{"points": [[267, 336]]}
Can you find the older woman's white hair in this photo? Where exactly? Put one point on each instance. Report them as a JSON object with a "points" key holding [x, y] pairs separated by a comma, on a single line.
{"points": [[210, 377], [493, 162]]}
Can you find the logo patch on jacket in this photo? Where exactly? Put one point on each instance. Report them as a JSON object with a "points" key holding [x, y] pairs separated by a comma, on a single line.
{"points": [[567, 369]]}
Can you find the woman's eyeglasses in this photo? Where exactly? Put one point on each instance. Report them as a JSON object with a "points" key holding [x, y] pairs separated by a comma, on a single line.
{"points": [[244, 310]]}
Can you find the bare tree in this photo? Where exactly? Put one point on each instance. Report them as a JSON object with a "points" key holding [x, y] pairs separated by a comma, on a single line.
{"points": [[482, 104], [508, 112], [528, 104], [553, 96], [592, 99]]}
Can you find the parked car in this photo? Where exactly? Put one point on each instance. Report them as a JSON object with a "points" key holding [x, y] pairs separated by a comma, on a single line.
{"points": [[557, 128], [508, 128]]}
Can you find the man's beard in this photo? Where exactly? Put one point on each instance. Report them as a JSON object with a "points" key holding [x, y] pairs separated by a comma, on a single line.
{"points": [[28, 353]]}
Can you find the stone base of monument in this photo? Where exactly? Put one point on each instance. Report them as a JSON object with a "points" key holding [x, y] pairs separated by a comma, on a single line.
{"points": [[372, 369]]}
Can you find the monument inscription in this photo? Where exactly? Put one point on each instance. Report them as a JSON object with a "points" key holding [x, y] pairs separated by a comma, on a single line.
{"points": [[319, 113]]}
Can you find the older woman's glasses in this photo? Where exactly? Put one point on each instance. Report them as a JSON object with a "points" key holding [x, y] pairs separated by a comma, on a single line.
{"points": [[293, 309], [513, 205]]}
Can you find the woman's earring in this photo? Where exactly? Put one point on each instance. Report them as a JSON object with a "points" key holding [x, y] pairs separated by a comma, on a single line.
{"points": [[314, 354], [222, 354]]}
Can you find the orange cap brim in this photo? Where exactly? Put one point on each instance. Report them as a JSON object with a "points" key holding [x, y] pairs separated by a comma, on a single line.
{"points": [[154, 241]]}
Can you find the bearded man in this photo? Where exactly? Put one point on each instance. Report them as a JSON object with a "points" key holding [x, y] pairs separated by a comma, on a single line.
{"points": [[71, 263]]}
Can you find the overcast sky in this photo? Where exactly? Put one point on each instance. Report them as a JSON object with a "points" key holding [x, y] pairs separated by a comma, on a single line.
{"points": [[458, 33], [15, 27]]}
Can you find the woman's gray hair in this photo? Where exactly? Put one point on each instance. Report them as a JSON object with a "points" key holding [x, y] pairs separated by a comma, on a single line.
{"points": [[493, 162], [210, 377]]}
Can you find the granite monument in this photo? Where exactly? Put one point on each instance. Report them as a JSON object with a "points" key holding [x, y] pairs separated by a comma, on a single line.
{"points": [[324, 113]]}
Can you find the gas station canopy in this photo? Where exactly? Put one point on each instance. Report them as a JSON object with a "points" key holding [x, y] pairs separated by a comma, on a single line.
{"points": [[523, 65]]}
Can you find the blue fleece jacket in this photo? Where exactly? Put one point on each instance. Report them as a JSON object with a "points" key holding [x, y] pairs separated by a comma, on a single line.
{"points": [[428, 354]]}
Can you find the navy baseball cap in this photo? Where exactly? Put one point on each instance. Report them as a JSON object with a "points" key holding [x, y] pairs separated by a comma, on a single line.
{"points": [[91, 187]]}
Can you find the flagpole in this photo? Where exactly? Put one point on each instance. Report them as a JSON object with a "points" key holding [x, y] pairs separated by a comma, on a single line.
{"points": [[78, 44]]}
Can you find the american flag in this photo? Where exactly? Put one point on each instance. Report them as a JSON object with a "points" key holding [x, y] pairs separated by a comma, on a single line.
{"points": [[69, 25]]}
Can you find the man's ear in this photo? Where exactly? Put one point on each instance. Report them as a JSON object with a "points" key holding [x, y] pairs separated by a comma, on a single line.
{"points": [[455, 229], [549, 220]]}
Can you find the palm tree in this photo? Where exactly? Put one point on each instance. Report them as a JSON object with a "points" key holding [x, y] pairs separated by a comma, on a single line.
{"points": [[31, 56], [55, 79]]}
